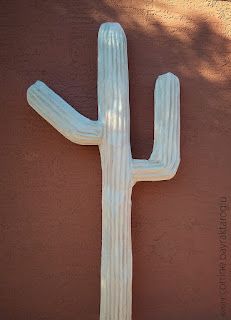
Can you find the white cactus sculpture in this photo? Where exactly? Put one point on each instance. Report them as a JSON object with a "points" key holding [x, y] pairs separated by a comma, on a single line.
{"points": [[119, 171]]}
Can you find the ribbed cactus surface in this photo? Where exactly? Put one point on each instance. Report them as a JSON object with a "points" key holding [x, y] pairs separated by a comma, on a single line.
{"points": [[119, 171]]}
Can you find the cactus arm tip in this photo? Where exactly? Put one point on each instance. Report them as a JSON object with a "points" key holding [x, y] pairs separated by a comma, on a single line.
{"points": [[65, 119], [165, 158]]}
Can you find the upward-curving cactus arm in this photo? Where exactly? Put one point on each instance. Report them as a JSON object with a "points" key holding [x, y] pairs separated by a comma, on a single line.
{"points": [[68, 121], [165, 157]]}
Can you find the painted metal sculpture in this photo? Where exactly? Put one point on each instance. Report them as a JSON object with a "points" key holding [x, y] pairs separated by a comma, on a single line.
{"points": [[119, 171]]}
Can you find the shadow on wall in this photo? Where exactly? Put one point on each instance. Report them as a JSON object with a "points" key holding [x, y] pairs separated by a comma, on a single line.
{"points": [[192, 47], [56, 214]]}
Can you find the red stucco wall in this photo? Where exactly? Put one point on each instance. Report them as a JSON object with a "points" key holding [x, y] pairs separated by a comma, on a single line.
{"points": [[51, 189]]}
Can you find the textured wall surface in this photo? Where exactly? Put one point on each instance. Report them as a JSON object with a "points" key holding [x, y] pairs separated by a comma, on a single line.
{"points": [[50, 201]]}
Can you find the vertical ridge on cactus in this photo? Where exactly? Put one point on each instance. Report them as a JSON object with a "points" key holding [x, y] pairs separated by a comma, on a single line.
{"points": [[119, 171]]}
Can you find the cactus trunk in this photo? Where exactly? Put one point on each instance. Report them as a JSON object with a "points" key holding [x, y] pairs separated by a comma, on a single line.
{"points": [[116, 263], [113, 95]]}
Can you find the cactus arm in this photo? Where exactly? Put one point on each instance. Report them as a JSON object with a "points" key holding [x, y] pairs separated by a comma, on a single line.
{"points": [[69, 122], [147, 170], [165, 157]]}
